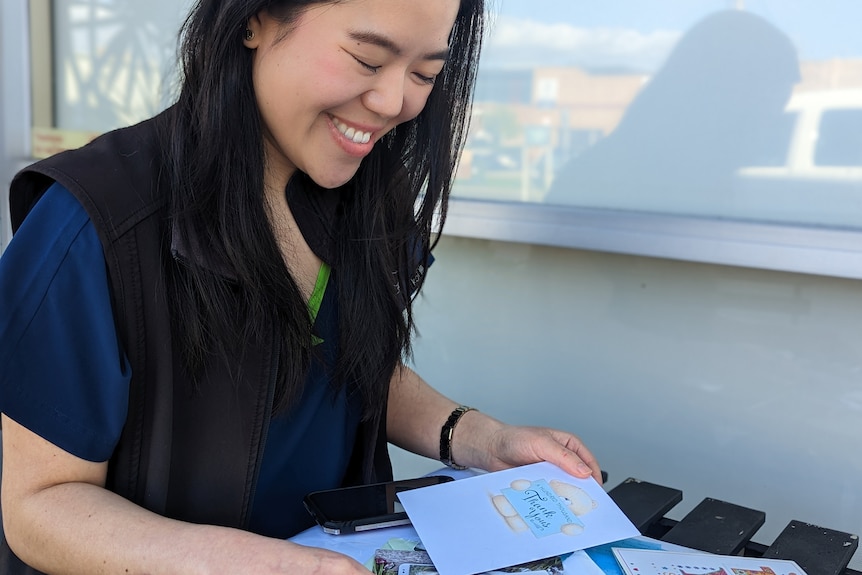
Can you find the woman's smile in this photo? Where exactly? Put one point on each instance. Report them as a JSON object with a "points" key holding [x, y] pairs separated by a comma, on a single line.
{"points": [[355, 135], [356, 142]]}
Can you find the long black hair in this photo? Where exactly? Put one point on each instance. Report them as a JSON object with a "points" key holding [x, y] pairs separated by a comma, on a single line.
{"points": [[389, 211]]}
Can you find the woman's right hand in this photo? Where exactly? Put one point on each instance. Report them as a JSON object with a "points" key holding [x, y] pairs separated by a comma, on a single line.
{"points": [[59, 518], [322, 561], [246, 553]]}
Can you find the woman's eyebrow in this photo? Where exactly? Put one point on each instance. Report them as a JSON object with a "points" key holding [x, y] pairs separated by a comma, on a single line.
{"points": [[389, 45]]}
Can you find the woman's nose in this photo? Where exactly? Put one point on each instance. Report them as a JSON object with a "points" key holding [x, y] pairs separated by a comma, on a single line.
{"points": [[386, 98]]}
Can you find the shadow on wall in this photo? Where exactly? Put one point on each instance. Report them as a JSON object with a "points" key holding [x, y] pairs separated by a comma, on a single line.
{"points": [[715, 105]]}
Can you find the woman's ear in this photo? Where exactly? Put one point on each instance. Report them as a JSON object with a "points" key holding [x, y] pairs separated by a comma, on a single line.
{"points": [[251, 36]]}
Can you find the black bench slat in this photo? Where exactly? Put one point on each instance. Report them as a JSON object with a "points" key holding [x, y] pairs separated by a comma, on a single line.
{"points": [[644, 503], [717, 527], [819, 551], [723, 528]]}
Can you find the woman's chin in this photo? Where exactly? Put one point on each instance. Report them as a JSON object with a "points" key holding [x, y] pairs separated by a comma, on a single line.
{"points": [[331, 181]]}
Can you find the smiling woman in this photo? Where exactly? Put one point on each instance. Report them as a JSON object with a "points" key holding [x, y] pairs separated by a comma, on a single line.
{"points": [[243, 266]]}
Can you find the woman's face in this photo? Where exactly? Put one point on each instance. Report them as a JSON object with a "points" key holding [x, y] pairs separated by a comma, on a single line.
{"points": [[344, 75]]}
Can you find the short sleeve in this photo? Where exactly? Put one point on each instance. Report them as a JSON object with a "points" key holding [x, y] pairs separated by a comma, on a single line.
{"points": [[63, 374]]}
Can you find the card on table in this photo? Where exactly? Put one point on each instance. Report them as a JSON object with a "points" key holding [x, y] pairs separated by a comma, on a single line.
{"points": [[648, 562], [510, 517]]}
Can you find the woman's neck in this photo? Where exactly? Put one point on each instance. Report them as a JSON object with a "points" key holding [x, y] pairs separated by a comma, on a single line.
{"points": [[302, 263]]}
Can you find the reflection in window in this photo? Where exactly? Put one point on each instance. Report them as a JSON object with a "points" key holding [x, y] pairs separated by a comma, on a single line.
{"points": [[113, 61], [839, 141], [715, 112], [772, 146], [645, 105]]}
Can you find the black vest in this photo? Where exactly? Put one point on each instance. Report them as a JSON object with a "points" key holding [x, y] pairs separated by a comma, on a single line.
{"points": [[188, 456]]}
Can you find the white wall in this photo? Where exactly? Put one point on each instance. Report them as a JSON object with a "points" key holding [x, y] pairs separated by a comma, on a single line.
{"points": [[737, 384]]}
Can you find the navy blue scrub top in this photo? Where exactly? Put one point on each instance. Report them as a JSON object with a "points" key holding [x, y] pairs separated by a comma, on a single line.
{"points": [[64, 376]]}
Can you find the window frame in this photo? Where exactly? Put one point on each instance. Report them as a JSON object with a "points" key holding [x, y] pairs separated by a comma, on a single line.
{"points": [[15, 106], [826, 251]]}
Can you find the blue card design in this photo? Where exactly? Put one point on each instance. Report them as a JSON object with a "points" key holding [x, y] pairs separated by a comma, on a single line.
{"points": [[544, 509]]}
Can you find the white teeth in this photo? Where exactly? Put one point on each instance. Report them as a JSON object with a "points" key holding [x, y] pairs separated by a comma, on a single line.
{"points": [[358, 136]]}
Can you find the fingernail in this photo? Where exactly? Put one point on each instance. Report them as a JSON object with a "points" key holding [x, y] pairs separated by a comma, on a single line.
{"points": [[584, 468]]}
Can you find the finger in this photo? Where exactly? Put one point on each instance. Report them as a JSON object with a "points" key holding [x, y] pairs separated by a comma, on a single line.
{"points": [[561, 450], [589, 459], [583, 463]]}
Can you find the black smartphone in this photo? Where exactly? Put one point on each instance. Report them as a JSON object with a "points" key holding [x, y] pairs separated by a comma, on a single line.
{"points": [[364, 507]]}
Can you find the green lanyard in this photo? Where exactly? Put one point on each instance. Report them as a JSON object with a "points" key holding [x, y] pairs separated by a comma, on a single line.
{"points": [[317, 295]]}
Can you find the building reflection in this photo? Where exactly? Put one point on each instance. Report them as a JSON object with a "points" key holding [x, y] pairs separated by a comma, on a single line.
{"points": [[727, 125]]}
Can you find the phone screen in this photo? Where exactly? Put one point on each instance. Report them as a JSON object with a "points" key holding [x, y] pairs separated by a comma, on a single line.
{"points": [[354, 508]]}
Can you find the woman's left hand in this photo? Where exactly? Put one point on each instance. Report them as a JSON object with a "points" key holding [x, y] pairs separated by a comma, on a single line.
{"points": [[508, 446], [416, 412]]}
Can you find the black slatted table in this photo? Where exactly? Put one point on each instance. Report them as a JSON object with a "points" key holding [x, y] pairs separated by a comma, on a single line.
{"points": [[716, 526]]}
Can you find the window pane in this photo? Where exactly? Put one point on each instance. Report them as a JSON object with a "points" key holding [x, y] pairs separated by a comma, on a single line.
{"points": [[738, 109], [744, 109], [113, 64]]}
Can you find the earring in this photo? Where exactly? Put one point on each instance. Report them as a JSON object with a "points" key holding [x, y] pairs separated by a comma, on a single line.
{"points": [[249, 34]]}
